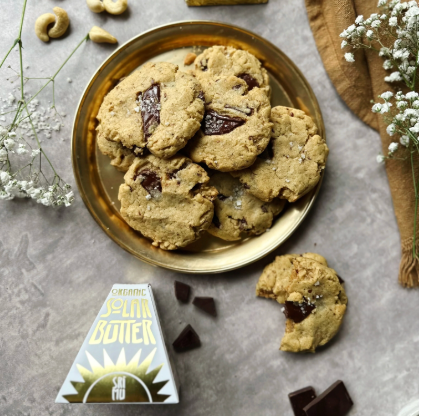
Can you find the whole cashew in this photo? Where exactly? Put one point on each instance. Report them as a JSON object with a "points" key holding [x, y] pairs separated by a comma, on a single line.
{"points": [[61, 25], [95, 6], [98, 35], [41, 25], [117, 7]]}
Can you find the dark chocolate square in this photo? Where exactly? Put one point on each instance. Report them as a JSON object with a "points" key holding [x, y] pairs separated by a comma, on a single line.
{"points": [[187, 340], [206, 304], [182, 291], [300, 398], [335, 401]]}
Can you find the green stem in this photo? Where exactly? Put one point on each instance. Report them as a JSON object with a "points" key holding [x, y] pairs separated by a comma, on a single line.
{"points": [[7, 54], [61, 67], [18, 39]]}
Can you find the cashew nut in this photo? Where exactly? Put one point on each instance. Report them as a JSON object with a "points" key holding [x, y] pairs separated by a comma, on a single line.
{"points": [[41, 25], [61, 25], [98, 35], [95, 6], [117, 7]]}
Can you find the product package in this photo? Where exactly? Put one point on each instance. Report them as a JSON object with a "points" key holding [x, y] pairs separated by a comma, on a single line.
{"points": [[123, 358]]}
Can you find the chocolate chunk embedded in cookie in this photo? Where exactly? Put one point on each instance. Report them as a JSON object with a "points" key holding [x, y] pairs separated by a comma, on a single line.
{"points": [[237, 213], [168, 201], [296, 158], [315, 301], [157, 107], [236, 126]]}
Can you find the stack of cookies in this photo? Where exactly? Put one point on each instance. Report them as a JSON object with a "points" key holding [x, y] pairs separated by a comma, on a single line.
{"points": [[204, 151]]}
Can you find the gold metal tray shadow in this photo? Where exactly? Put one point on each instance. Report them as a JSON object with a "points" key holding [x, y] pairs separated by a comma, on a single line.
{"points": [[98, 181]]}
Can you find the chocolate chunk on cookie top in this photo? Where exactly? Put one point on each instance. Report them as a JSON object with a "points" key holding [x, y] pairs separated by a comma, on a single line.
{"points": [[167, 200], [335, 401], [215, 123], [298, 311], [150, 109], [157, 107], [238, 214], [236, 126], [227, 61], [315, 301], [295, 159]]}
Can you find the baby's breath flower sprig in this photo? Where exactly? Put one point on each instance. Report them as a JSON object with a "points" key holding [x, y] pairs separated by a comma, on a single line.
{"points": [[23, 161], [394, 34]]}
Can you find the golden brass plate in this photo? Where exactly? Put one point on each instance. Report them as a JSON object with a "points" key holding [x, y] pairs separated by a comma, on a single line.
{"points": [[98, 181]]}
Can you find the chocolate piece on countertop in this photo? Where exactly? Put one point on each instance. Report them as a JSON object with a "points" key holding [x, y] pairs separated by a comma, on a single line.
{"points": [[222, 2], [335, 401], [206, 304], [296, 311], [182, 291], [340, 279], [215, 123], [187, 340], [300, 398]]}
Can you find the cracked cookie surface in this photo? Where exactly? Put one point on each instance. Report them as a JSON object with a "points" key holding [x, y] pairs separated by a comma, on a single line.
{"points": [[315, 300], [227, 61], [236, 126], [157, 107], [293, 162], [167, 200], [121, 157], [237, 213]]}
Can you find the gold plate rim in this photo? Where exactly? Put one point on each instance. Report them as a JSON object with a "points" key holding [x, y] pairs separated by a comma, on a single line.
{"points": [[167, 265]]}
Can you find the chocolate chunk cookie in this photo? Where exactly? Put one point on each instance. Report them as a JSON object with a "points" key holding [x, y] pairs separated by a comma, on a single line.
{"points": [[157, 107], [236, 126], [227, 61], [238, 213], [295, 159], [313, 297], [168, 201], [121, 157]]}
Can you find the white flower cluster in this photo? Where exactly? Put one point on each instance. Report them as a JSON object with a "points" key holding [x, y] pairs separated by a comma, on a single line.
{"points": [[399, 22], [20, 154], [54, 195], [405, 120]]}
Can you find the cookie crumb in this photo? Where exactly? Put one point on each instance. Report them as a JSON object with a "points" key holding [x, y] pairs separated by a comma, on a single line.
{"points": [[148, 197], [189, 58]]}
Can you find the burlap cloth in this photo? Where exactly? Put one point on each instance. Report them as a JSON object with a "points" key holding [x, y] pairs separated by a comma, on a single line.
{"points": [[358, 83]]}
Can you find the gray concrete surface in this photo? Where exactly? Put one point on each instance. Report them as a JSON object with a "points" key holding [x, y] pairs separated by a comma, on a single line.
{"points": [[57, 266]]}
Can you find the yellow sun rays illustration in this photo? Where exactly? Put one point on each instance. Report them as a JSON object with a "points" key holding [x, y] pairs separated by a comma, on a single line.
{"points": [[99, 382]]}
